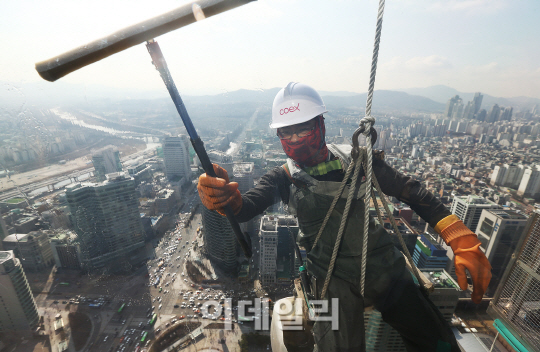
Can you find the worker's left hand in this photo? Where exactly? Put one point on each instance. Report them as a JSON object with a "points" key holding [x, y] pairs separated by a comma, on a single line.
{"points": [[467, 255]]}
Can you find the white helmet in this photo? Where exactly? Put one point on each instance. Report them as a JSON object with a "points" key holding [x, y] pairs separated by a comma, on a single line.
{"points": [[296, 103]]}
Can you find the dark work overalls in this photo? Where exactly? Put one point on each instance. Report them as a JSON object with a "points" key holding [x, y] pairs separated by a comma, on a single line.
{"points": [[389, 286]]}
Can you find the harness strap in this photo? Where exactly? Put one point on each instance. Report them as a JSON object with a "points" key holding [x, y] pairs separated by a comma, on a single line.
{"points": [[324, 168]]}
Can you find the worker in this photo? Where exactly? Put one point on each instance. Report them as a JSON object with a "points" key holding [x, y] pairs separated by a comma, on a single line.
{"points": [[307, 184]]}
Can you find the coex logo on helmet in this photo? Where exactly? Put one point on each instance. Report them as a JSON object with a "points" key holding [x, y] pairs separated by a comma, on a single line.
{"points": [[288, 110]]}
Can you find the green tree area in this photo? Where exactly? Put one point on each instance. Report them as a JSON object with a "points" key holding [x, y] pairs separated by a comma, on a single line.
{"points": [[253, 340]]}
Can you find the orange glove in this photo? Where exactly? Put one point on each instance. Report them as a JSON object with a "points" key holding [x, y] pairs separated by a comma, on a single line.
{"points": [[216, 192], [467, 255]]}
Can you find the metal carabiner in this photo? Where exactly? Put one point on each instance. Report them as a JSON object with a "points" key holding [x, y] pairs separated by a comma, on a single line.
{"points": [[355, 152]]}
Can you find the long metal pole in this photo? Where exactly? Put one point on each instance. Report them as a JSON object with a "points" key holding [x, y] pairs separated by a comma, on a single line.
{"points": [[159, 61]]}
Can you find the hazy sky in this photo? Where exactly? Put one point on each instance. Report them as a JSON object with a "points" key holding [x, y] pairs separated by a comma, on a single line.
{"points": [[491, 46]]}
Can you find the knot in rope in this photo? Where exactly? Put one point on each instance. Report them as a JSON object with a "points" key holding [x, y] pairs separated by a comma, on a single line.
{"points": [[367, 120]]}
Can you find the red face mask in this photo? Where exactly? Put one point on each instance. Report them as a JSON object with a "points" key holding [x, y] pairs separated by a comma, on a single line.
{"points": [[309, 150]]}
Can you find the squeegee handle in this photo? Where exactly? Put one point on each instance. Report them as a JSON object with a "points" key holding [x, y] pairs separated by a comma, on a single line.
{"points": [[84, 55], [198, 145]]}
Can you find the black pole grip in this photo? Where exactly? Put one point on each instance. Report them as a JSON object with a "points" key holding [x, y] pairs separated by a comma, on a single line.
{"points": [[161, 65]]}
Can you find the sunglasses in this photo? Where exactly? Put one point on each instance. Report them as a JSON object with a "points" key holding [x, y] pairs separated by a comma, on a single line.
{"points": [[300, 131]]}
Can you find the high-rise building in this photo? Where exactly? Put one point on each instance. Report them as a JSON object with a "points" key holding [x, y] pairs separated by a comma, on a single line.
{"points": [[222, 159], [176, 157], [514, 175], [417, 152], [535, 110], [33, 250], [428, 254], [268, 237], [493, 114], [506, 114], [469, 208], [106, 161], [439, 130], [220, 240], [107, 221], [500, 231], [66, 251], [497, 176], [481, 115], [515, 306], [530, 182], [243, 174], [457, 111], [453, 105], [287, 265], [445, 295], [507, 175], [140, 172], [18, 310], [381, 337], [277, 261], [477, 101], [468, 111]]}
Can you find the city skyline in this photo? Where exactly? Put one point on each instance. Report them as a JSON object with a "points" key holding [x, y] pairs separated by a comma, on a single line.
{"points": [[264, 44]]}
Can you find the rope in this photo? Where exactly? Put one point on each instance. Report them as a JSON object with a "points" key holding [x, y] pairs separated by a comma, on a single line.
{"points": [[396, 230], [375, 57], [369, 171], [334, 202], [368, 121], [356, 164]]}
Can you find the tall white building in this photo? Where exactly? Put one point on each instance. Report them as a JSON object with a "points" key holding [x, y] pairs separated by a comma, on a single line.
{"points": [[417, 152], [268, 237], [530, 183], [469, 209], [507, 175], [243, 174], [18, 310], [176, 157]]}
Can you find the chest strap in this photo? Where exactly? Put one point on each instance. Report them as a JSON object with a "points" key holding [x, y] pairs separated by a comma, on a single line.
{"points": [[324, 168]]}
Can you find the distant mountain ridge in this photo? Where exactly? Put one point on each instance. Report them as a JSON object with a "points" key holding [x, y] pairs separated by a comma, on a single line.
{"points": [[382, 99], [429, 100]]}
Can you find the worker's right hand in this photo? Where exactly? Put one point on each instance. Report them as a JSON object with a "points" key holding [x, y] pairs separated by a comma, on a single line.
{"points": [[216, 192], [467, 255]]}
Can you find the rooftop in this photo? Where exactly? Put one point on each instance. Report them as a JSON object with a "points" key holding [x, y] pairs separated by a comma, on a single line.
{"points": [[508, 214], [472, 199], [268, 224], [18, 237], [440, 279], [243, 168], [5, 255]]}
